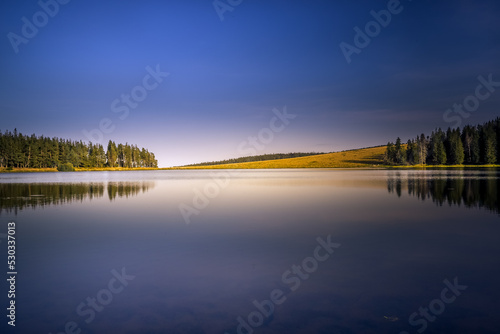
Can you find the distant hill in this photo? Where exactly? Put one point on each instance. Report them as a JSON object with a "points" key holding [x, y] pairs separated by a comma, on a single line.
{"points": [[365, 157], [263, 157]]}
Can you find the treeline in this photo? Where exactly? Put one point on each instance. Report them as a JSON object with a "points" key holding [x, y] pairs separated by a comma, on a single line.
{"points": [[473, 145], [22, 151], [262, 157]]}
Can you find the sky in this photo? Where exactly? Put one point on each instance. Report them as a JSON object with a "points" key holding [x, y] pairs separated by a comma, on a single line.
{"points": [[205, 80]]}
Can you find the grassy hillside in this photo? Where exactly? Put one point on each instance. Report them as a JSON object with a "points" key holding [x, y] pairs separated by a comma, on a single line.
{"points": [[366, 157], [262, 157]]}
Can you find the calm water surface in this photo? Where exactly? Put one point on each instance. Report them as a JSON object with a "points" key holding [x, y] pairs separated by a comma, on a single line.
{"points": [[280, 251]]}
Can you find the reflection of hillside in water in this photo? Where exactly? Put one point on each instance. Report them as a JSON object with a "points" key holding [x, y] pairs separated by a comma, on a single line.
{"points": [[479, 191], [18, 196]]}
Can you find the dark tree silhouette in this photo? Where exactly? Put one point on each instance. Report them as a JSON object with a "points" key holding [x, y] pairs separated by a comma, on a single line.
{"points": [[21, 151], [474, 145]]}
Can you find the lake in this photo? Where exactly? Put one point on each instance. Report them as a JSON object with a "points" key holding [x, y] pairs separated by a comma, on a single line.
{"points": [[253, 251]]}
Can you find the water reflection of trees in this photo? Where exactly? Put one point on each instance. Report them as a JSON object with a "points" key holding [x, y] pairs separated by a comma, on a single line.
{"points": [[18, 196], [473, 191]]}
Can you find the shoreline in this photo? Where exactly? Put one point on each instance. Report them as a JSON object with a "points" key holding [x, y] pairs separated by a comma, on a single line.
{"points": [[120, 169]]}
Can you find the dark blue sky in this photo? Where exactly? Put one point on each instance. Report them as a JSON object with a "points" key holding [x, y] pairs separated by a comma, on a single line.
{"points": [[226, 77]]}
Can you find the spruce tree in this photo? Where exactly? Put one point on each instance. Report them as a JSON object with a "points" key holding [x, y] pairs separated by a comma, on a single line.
{"points": [[411, 152], [456, 149], [438, 151], [400, 158], [390, 153]]}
